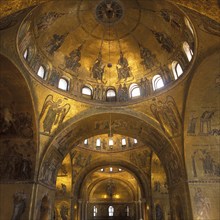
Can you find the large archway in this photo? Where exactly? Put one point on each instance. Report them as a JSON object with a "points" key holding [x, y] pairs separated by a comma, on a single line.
{"points": [[18, 142], [83, 184], [110, 194], [126, 123]]}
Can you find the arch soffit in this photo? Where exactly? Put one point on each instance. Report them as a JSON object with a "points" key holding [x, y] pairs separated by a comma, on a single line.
{"points": [[124, 122], [129, 167], [207, 55], [20, 103], [96, 121], [25, 86], [205, 75]]}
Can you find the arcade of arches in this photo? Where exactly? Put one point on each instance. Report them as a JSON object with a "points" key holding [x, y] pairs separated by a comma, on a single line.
{"points": [[110, 110]]}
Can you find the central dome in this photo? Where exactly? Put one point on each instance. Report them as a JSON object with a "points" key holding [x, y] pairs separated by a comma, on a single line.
{"points": [[106, 45]]}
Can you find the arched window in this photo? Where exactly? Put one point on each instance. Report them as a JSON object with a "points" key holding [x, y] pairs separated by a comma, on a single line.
{"points": [[188, 25], [95, 211], [98, 142], [134, 90], [63, 84], [110, 95], [86, 142], [25, 55], [110, 211], [123, 142], [41, 72], [110, 142], [157, 82], [127, 210], [87, 90], [188, 51], [135, 141], [177, 70]]}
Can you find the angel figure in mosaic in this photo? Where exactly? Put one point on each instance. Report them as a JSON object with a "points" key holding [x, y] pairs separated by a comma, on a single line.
{"points": [[53, 113], [167, 114]]}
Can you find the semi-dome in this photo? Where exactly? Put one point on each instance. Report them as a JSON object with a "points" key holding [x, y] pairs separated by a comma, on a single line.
{"points": [[108, 50]]}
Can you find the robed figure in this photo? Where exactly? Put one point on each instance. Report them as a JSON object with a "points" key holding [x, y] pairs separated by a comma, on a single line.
{"points": [[53, 113]]}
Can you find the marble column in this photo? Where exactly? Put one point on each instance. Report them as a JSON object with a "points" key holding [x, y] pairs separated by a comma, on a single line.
{"points": [[140, 210], [79, 216]]}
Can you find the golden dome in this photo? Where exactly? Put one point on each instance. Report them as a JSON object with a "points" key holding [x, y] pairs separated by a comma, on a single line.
{"points": [[106, 45]]}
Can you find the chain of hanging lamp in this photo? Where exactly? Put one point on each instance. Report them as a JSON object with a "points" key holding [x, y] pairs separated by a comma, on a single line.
{"points": [[110, 115]]}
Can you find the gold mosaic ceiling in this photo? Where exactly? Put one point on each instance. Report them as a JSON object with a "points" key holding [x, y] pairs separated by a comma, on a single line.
{"points": [[208, 8], [108, 42]]}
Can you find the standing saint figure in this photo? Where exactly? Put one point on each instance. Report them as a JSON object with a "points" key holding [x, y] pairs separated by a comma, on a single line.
{"points": [[19, 205], [55, 43], [159, 213], [149, 59], [203, 205], [72, 62], [98, 68], [64, 212], [123, 68]]}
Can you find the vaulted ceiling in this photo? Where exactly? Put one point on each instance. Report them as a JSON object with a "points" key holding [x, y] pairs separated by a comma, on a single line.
{"points": [[209, 8]]}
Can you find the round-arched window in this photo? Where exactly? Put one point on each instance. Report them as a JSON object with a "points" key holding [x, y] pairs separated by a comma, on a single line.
{"points": [[177, 70], [98, 142], [157, 82], [25, 55], [95, 210], [110, 211], [41, 72], [63, 84], [86, 90], [123, 142], [188, 25], [134, 90], [188, 51], [110, 95]]}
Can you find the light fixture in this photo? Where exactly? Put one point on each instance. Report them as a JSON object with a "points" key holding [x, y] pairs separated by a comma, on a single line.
{"points": [[111, 185], [117, 196]]}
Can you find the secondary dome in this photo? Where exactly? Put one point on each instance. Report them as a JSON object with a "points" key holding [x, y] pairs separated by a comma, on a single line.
{"points": [[107, 50]]}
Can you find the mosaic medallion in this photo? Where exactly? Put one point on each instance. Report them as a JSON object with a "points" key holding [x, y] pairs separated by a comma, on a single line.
{"points": [[109, 11]]}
